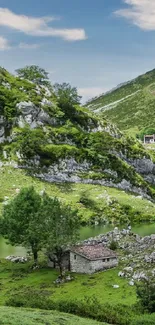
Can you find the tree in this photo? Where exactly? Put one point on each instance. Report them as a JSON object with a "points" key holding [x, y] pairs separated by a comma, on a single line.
{"points": [[146, 294], [38, 222], [22, 222], [144, 132], [63, 229], [35, 74], [67, 96], [29, 142]]}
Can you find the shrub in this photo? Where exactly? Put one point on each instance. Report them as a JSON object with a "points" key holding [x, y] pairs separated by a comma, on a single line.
{"points": [[144, 320], [113, 245], [146, 295], [31, 300], [88, 308]]}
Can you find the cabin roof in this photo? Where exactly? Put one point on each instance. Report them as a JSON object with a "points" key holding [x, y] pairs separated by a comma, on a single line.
{"points": [[93, 252]]}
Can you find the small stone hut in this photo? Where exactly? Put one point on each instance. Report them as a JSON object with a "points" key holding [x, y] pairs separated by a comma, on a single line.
{"points": [[92, 258], [149, 138]]}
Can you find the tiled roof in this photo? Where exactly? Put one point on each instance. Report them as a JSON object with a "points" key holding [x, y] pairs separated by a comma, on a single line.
{"points": [[93, 252]]}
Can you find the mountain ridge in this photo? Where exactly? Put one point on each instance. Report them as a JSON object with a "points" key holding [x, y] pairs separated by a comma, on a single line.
{"points": [[130, 106]]}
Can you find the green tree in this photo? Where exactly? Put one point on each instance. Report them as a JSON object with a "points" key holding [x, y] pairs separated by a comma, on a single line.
{"points": [[35, 74], [67, 96], [145, 131], [22, 222], [63, 229], [29, 142], [38, 222], [146, 295]]}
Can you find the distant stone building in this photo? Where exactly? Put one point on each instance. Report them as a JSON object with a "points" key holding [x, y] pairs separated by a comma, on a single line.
{"points": [[149, 138], [92, 258]]}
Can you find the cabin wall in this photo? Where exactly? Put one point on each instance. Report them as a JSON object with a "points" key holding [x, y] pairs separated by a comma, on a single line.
{"points": [[79, 264]]}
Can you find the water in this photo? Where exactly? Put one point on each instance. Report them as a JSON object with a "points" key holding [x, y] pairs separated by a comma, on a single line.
{"points": [[86, 232], [141, 229]]}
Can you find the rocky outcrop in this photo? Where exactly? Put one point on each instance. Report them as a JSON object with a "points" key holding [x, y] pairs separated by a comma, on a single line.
{"points": [[2, 129], [143, 165], [33, 116]]}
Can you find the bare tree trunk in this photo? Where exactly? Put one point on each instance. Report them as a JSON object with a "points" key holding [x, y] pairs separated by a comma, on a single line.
{"points": [[61, 270]]}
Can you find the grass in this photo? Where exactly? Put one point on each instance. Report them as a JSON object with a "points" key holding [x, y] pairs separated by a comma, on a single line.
{"points": [[14, 316], [13, 179], [16, 279]]}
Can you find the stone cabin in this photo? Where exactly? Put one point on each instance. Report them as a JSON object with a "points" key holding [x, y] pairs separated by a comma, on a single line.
{"points": [[92, 258], [88, 259], [149, 138]]}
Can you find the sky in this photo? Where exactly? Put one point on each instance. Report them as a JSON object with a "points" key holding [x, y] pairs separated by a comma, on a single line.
{"points": [[94, 45]]}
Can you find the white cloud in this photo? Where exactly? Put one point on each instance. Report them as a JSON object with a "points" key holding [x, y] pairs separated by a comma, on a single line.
{"points": [[4, 44], [27, 46], [140, 12], [88, 93], [38, 26]]}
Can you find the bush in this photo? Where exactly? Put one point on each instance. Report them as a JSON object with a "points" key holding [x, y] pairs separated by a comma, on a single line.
{"points": [[144, 320], [146, 295], [88, 308], [113, 245], [31, 300]]}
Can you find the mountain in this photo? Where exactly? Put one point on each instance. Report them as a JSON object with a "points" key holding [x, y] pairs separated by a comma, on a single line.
{"points": [[131, 106], [73, 145]]}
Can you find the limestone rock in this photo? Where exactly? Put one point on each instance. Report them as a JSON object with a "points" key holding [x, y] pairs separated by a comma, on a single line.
{"points": [[115, 286], [16, 259]]}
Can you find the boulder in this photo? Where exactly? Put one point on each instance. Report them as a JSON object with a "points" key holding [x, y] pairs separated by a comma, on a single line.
{"points": [[121, 274], [128, 269], [16, 259], [115, 286]]}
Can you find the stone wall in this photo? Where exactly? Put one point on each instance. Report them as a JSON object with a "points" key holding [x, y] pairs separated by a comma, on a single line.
{"points": [[99, 265], [80, 264]]}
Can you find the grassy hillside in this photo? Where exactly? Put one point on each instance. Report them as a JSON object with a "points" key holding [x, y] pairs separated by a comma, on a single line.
{"points": [[20, 285], [94, 202], [14, 316], [63, 143], [131, 106]]}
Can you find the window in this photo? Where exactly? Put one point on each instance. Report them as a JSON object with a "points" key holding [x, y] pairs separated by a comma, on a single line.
{"points": [[103, 260], [74, 257], [108, 259]]}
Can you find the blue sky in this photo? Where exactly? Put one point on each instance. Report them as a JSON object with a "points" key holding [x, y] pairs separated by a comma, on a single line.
{"points": [[94, 45]]}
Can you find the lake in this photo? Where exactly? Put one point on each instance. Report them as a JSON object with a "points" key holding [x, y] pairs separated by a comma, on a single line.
{"points": [[86, 232]]}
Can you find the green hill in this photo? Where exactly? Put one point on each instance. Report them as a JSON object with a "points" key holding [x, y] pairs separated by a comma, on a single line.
{"points": [[18, 316], [131, 106], [70, 145]]}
